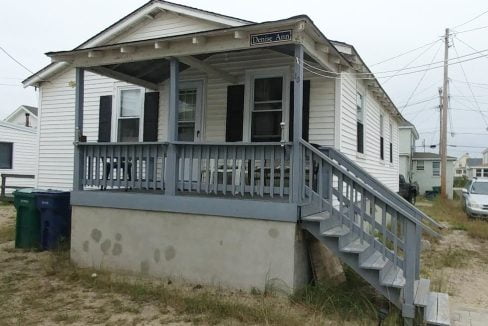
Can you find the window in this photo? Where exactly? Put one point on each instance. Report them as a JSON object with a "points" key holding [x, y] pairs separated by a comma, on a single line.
{"points": [[478, 172], [485, 173], [391, 143], [360, 122], [382, 140], [186, 114], [129, 117], [420, 165], [436, 168], [267, 109], [6, 153]]}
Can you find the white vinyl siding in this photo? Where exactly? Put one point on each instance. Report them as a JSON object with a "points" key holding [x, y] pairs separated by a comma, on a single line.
{"points": [[166, 24], [384, 171], [23, 155]]}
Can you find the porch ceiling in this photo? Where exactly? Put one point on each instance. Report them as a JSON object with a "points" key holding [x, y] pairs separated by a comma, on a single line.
{"points": [[151, 73]]}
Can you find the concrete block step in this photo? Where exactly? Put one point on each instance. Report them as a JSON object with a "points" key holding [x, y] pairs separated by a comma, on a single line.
{"points": [[375, 261], [437, 310], [422, 290]]}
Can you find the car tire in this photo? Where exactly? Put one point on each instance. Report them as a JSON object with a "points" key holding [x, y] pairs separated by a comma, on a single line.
{"points": [[412, 199]]}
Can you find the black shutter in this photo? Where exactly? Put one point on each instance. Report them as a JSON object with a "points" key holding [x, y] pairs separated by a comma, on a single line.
{"points": [[151, 114], [306, 109], [235, 113], [105, 119]]}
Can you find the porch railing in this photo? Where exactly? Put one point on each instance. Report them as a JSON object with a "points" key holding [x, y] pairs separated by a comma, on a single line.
{"points": [[235, 169], [228, 169], [123, 165]]}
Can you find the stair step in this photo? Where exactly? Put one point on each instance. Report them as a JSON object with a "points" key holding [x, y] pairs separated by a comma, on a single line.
{"points": [[393, 278], [422, 290], [437, 311], [337, 231], [316, 217], [357, 246], [375, 261]]}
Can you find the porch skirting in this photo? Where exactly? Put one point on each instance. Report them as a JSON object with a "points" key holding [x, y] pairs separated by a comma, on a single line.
{"points": [[237, 253]]}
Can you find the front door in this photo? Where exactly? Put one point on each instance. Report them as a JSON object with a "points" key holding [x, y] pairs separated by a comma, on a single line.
{"points": [[190, 112]]}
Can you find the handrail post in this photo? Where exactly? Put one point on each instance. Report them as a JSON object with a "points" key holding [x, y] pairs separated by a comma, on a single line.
{"points": [[418, 237], [78, 155], [172, 160], [297, 179], [409, 270]]}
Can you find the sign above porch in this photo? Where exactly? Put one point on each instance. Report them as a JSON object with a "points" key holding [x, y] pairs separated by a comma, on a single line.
{"points": [[271, 37]]}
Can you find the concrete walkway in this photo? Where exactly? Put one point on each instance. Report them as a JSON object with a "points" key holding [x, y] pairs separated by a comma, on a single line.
{"points": [[464, 316]]}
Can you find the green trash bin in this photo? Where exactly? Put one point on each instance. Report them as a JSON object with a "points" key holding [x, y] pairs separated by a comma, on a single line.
{"points": [[28, 225]]}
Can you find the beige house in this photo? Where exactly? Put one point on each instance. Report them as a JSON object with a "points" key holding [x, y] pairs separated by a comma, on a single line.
{"points": [[427, 172]]}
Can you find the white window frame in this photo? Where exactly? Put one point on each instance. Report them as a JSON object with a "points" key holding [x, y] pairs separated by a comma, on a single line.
{"points": [[438, 170], [116, 107], [200, 85], [251, 75], [420, 167]]}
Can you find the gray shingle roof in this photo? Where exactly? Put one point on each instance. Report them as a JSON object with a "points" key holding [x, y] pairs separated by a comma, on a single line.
{"points": [[429, 156], [31, 109], [474, 161]]}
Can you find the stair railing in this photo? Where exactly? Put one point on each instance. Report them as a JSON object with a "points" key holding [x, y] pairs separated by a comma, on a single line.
{"points": [[370, 215]]}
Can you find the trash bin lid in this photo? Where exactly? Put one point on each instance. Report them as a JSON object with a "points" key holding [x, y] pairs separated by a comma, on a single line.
{"points": [[27, 192], [53, 192]]}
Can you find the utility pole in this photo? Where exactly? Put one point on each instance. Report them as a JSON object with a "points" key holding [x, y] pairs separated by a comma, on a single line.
{"points": [[445, 104], [440, 121]]}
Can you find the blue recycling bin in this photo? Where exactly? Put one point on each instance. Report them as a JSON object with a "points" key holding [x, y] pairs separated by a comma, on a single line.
{"points": [[55, 216]]}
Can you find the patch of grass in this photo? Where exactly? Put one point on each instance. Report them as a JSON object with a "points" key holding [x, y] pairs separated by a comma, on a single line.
{"points": [[205, 304], [352, 300], [451, 211], [65, 318], [7, 233], [452, 257]]}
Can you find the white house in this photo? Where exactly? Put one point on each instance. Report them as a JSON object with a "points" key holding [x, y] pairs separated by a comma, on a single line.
{"points": [[427, 172], [408, 137], [477, 167], [224, 133], [18, 150], [460, 165]]}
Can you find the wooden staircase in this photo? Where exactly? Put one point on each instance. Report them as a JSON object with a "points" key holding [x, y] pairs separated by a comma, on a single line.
{"points": [[372, 230]]}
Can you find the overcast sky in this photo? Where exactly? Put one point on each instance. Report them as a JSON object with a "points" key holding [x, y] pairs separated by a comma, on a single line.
{"points": [[379, 29]]}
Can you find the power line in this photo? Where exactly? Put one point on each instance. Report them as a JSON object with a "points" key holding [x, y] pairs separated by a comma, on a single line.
{"points": [[18, 62], [470, 30], [471, 20], [404, 53], [469, 85], [420, 81]]}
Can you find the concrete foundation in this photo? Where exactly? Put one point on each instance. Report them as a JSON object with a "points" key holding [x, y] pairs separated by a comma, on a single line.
{"points": [[231, 252]]}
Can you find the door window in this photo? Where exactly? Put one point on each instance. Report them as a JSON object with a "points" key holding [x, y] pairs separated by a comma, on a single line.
{"points": [[267, 109], [189, 112]]}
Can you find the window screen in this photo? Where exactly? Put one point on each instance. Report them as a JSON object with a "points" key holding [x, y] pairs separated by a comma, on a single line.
{"points": [[267, 110], [436, 168]]}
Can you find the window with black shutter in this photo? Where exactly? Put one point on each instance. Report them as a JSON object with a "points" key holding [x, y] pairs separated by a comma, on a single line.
{"points": [[151, 114], [360, 123], [6, 155], [382, 139], [105, 119]]}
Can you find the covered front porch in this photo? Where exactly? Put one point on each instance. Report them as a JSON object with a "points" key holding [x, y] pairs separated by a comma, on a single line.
{"points": [[212, 114]]}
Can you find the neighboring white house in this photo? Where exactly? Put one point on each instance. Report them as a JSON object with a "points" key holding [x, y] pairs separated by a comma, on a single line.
{"points": [[408, 137], [477, 167], [18, 146], [427, 172], [460, 165], [171, 101]]}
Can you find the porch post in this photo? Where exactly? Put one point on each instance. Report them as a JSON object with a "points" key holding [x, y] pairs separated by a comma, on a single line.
{"points": [[79, 101], [172, 161], [297, 181]]}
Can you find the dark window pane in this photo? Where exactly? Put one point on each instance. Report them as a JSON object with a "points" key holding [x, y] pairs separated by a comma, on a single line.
{"points": [[391, 153], [272, 106], [128, 130], [360, 138], [186, 131], [266, 126], [6, 150], [268, 89], [382, 148]]}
